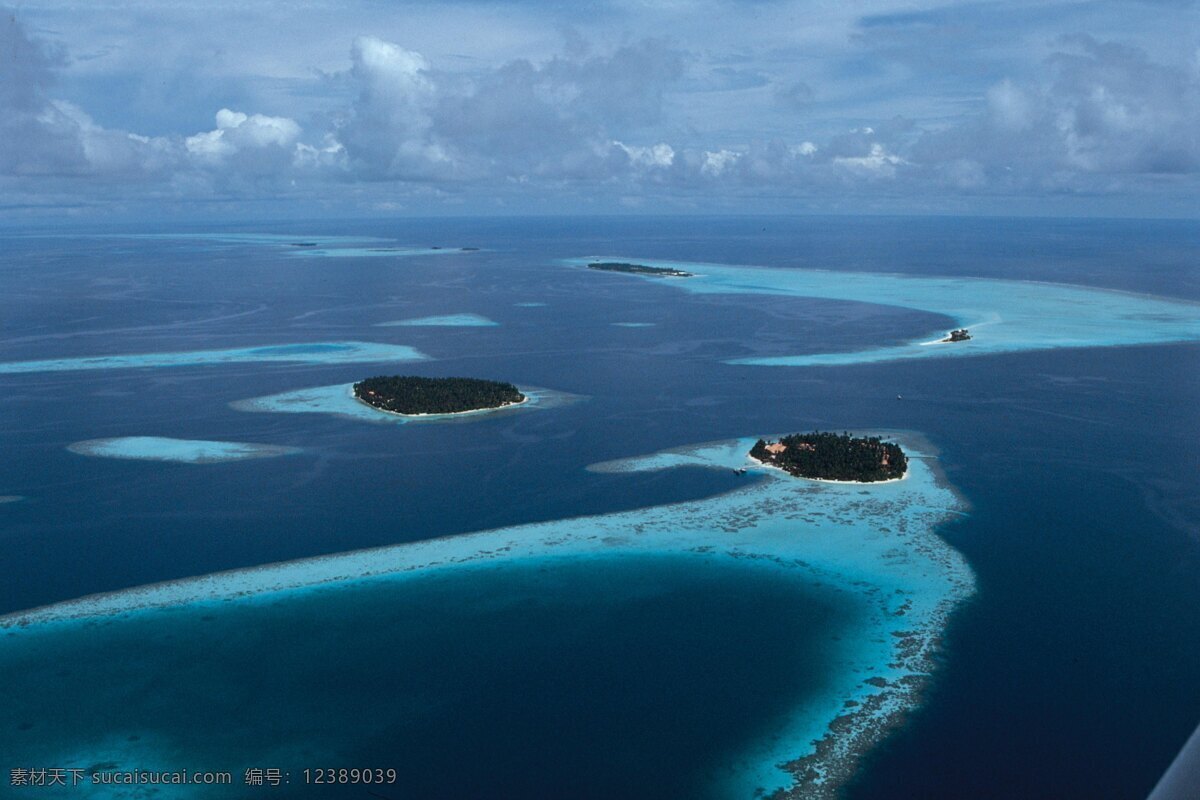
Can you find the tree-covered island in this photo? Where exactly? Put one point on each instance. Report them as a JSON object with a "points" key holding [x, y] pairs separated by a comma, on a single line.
{"points": [[639, 269], [412, 394], [833, 457]]}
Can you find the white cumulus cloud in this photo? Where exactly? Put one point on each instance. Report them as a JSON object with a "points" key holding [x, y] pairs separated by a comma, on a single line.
{"points": [[239, 133], [659, 155], [716, 162], [877, 161]]}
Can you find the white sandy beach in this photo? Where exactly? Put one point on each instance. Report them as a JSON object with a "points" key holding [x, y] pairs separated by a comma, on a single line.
{"points": [[521, 402], [758, 463]]}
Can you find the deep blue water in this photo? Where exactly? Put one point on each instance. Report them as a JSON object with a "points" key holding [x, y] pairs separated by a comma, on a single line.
{"points": [[1070, 674]]}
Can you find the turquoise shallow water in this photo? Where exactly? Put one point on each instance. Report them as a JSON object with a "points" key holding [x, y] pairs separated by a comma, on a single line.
{"points": [[1003, 316], [372, 252], [443, 321], [339, 400], [872, 544], [300, 245], [187, 451], [313, 353], [319, 240]]}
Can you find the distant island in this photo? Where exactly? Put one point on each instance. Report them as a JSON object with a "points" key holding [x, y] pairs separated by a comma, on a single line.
{"points": [[639, 269], [833, 457], [411, 394], [960, 335]]}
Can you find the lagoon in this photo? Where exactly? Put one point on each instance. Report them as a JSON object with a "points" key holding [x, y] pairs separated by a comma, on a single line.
{"points": [[1003, 316], [874, 546]]}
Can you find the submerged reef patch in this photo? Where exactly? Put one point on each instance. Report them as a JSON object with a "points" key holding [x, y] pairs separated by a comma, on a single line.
{"points": [[305, 353], [372, 252], [303, 245], [183, 451], [444, 321]]}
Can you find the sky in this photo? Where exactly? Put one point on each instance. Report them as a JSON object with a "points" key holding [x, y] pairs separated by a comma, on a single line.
{"points": [[207, 109]]}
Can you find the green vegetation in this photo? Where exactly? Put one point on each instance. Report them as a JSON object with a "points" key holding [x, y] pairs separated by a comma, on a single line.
{"points": [[833, 456], [639, 269], [411, 394]]}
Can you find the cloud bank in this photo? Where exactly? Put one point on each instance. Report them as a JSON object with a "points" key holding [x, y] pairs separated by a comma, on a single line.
{"points": [[45, 137], [1090, 116]]}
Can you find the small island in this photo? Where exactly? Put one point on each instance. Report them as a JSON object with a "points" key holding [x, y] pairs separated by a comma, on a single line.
{"points": [[833, 457], [960, 335], [415, 395], [639, 269]]}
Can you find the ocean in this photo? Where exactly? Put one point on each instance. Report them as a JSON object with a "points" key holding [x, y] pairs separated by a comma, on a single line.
{"points": [[1047, 549]]}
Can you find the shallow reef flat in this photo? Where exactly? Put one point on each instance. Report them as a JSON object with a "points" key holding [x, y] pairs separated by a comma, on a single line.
{"points": [[339, 400], [183, 451], [1003, 316], [444, 321], [289, 240], [286, 240], [373, 252], [310, 246], [874, 545], [309, 353]]}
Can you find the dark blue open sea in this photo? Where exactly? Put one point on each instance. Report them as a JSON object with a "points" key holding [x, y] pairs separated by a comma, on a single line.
{"points": [[1071, 672]]}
